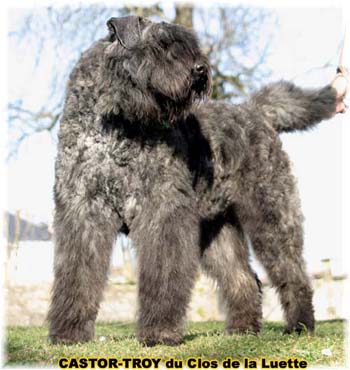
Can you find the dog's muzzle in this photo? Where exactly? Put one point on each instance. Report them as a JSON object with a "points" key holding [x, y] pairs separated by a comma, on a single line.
{"points": [[200, 73]]}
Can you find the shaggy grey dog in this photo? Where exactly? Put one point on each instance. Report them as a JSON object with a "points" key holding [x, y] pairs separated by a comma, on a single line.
{"points": [[187, 182]]}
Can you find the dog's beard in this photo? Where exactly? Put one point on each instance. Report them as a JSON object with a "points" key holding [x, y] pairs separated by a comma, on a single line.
{"points": [[202, 87]]}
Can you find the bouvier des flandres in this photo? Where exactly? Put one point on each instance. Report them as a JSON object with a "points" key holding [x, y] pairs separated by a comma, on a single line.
{"points": [[141, 151]]}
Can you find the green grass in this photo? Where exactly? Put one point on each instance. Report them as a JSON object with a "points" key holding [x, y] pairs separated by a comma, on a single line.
{"points": [[28, 345]]}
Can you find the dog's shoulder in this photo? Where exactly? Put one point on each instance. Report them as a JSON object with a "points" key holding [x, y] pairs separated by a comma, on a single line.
{"points": [[219, 118], [222, 125]]}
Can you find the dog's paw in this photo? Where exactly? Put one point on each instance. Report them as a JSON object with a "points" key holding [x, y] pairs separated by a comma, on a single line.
{"points": [[152, 336], [54, 339], [299, 328], [72, 335]]}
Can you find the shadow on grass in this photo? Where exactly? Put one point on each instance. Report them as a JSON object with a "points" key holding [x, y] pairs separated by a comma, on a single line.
{"points": [[120, 338], [331, 321], [192, 334], [210, 333], [187, 338]]}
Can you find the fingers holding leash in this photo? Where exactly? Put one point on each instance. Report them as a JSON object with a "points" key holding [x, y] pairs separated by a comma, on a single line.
{"points": [[341, 85]]}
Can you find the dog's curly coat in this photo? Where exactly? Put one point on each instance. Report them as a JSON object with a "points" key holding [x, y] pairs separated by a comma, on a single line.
{"points": [[188, 183]]}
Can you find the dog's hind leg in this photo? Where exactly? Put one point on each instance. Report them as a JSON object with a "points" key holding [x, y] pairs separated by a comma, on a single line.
{"points": [[280, 252], [275, 229], [226, 260]]}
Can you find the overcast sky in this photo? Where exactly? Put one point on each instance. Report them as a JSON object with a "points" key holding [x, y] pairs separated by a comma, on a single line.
{"points": [[305, 40]]}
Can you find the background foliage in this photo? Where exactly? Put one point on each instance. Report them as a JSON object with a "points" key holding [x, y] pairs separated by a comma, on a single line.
{"points": [[57, 36]]}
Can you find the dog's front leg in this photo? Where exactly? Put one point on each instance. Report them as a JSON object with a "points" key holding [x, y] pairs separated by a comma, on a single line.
{"points": [[84, 234], [166, 236]]}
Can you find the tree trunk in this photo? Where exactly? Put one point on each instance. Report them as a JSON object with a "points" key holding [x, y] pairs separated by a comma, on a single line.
{"points": [[184, 15]]}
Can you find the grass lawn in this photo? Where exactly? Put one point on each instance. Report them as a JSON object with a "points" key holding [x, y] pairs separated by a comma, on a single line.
{"points": [[28, 346]]}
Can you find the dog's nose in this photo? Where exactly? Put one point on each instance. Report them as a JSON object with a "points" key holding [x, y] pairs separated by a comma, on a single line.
{"points": [[200, 68]]}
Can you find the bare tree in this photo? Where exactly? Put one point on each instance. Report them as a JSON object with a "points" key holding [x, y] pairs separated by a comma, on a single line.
{"points": [[229, 36], [235, 49]]}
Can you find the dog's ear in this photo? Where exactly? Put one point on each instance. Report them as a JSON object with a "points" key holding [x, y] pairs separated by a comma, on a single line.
{"points": [[113, 31], [124, 29]]}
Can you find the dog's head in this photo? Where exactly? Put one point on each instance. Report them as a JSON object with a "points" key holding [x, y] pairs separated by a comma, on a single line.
{"points": [[151, 71]]}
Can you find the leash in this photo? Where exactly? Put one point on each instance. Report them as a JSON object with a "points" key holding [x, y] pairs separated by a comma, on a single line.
{"points": [[343, 52], [342, 70]]}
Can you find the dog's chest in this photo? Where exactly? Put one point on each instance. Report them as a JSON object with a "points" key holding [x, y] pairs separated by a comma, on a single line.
{"points": [[148, 159]]}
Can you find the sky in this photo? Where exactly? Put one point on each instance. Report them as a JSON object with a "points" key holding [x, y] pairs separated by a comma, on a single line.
{"points": [[305, 39]]}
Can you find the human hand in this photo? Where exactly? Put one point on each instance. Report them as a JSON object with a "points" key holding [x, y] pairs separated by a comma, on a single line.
{"points": [[341, 85]]}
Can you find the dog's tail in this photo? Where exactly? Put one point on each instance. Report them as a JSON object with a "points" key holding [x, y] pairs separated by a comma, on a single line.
{"points": [[287, 107]]}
